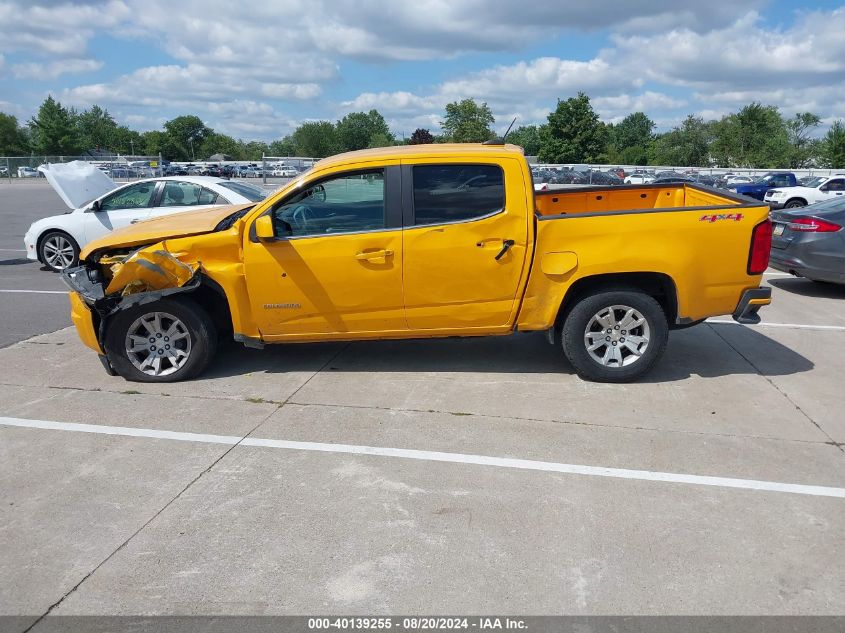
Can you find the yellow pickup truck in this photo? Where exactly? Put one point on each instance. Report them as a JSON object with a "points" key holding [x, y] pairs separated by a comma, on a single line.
{"points": [[420, 242]]}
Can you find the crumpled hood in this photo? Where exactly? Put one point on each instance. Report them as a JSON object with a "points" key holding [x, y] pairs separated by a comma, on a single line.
{"points": [[162, 228], [77, 182]]}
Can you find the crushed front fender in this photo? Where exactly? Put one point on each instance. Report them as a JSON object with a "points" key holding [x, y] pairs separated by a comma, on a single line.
{"points": [[148, 270]]}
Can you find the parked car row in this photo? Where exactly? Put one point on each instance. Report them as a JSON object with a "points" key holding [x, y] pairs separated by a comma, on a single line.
{"points": [[233, 171]]}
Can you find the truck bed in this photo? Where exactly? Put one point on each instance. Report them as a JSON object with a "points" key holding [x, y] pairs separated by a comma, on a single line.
{"points": [[696, 238], [632, 198]]}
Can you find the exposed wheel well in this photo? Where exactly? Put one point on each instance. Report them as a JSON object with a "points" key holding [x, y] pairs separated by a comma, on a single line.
{"points": [[211, 296], [657, 285]]}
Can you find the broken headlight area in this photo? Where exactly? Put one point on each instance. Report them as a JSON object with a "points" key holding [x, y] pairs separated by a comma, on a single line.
{"points": [[122, 279]]}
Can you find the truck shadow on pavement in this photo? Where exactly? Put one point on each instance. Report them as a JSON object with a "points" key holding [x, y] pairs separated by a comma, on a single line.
{"points": [[708, 351], [807, 288]]}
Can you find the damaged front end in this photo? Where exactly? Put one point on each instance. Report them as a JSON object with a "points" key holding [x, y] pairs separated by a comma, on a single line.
{"points": [[119, 280]]}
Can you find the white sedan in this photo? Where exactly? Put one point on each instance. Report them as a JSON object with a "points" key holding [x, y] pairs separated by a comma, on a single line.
{"points": [[639, 178], [738, 180], [98, 206]]}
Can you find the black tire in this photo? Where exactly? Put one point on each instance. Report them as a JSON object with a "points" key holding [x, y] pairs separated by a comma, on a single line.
{"points": [[795, 203], [194, 321], [48, 254], [581, 315]]}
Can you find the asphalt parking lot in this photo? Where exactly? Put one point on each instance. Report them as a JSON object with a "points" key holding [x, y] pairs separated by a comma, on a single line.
{"points": [[452, 476]]}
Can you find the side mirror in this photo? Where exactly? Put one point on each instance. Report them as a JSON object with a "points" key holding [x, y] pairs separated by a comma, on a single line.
{"points": [[95, 206], [824, 188], [264, 228]]}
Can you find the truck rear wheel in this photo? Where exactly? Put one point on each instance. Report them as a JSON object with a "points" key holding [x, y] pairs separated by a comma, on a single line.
{"points": [[162, 341], [615, 335]]}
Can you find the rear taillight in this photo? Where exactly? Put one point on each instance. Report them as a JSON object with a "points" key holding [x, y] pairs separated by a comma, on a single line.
{"points": [[813, 225], [761, 247]]}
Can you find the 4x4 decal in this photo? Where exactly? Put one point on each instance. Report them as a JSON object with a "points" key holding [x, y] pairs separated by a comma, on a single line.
{"points": [[713, 217]]}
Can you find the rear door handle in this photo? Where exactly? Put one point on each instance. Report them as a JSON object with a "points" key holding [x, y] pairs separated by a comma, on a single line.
{"points": [[136, 220], [506, 246]]}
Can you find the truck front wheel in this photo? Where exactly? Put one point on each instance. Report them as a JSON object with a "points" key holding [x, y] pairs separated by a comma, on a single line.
{"points": [[163, 341], [615, 335]]}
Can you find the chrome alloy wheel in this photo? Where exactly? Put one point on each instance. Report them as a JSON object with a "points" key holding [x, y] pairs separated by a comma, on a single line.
{"points": [[158, 344], [58, 251], [617, 336]]}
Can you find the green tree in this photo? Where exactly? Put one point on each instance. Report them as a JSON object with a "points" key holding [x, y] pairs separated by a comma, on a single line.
{"points": [[467, 122], [687, 144], [216, 143], [799, 130], [421, 136], [380, 139], [152, 143], [574, 133], [54, 130], [357, 129], [316, 139], [283, 147], [631, 139], [254, 150], [527, 137], [13, 139], [126, 141], [833, 146], [96, 129], [756, 136], [184, 136]]}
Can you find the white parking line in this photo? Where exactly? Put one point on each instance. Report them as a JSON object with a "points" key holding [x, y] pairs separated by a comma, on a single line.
{"points": [[37, 292], [796, 326], [435, 456]]}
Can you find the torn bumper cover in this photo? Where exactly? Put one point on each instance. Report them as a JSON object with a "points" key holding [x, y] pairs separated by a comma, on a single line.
{"points": [[144, 276]]}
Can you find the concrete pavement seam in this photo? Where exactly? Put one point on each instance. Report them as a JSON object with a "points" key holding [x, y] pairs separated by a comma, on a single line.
{"points": [[565, 422], [146, 523], [830, 441], [287, 401]]}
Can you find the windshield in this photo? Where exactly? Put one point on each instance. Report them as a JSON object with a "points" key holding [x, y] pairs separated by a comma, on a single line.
{"points": [[814, 181], [251, 193]]}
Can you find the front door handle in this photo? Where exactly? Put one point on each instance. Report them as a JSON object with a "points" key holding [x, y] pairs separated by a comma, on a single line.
{"points": [[379, 256], [506, 245]]}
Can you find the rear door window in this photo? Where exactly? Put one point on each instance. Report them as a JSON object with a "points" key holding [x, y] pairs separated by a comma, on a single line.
{"points": [[186, 194], [457, 193]]}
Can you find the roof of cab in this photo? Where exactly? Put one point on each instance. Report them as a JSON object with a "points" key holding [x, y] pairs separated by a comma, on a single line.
{"points": [[419, 151]]}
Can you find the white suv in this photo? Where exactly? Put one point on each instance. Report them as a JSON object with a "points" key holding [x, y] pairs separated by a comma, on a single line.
{"points": [[792, 197]]}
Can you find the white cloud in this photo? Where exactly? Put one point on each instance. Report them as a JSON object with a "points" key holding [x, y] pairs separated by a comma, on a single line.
{"points": [[56, 28], [51, 70], [243, 66]]}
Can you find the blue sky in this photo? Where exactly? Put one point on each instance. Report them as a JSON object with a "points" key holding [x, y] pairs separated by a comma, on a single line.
{"points": [[257, 73]]}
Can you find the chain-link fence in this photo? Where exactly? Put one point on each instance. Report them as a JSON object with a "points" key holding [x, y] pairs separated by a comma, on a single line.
{"points": [[118, 167], [280, 169], [614, 174]]}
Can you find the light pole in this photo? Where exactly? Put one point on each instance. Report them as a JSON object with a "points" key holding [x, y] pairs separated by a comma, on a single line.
{"points": [[132, 145], [191, 141]]}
